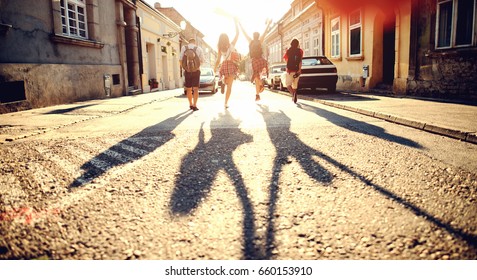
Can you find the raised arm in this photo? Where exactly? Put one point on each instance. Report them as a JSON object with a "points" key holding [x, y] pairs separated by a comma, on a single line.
{"points": [[237, 31], [249, 39], [262, 38]]}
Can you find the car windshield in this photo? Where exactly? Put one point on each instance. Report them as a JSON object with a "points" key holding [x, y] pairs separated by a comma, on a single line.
{"points": [[312, 61], [278, 69], [206, 72]]}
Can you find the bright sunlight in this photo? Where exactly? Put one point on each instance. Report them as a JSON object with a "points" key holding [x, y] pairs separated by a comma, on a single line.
{"points": [[213, 17]]}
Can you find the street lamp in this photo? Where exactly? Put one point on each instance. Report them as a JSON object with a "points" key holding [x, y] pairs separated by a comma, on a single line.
{"points": [[171, 34]]}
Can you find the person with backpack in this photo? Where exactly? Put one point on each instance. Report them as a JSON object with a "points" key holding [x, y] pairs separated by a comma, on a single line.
{"points": [[190, 59], [228, 55], [258, 61], [293, 57]]}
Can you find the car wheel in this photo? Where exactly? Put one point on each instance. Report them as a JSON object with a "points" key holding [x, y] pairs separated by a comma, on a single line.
{"points": [[281, 86]]}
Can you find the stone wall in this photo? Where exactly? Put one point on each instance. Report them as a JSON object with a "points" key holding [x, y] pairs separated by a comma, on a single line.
{"points": [[54, 84], [447, 73], [451, 77]]}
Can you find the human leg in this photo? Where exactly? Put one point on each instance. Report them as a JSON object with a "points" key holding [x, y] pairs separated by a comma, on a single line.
{"points": [[189, 97], [228, 81], [295, 88], [194, 81], [195, 97], [258, 88]]}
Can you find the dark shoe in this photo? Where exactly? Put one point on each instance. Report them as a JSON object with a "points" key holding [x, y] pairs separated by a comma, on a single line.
{"points": [[191, 107], [295, 97], [195, 108], [257, 97]]}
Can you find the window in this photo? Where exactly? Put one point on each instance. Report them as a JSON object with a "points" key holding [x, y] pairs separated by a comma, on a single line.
{"points": [[316, 46], [355, 33], [335, 37], [307, 48], [73, 18], [455, 23], [316, 61]]}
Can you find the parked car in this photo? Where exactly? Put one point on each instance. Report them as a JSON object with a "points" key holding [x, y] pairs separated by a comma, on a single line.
{"points": [[274, 77], [208, 80], [316, 72]]}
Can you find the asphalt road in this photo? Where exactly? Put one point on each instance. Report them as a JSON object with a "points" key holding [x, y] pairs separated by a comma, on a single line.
{"points": [[267, 180]]}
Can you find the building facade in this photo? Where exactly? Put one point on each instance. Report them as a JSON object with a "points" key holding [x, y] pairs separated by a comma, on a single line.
{"points": [[160, 50], [190, 32], [303, 22], [443, 53], [369, 45], [55, 52], [410, 47]]}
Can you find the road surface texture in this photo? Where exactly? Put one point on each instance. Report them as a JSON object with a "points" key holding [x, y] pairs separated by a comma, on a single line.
{"points": [[268, 180]]}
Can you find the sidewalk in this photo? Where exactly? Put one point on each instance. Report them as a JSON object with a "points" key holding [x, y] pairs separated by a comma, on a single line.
{"points": [[20, 125], [441, 117]]}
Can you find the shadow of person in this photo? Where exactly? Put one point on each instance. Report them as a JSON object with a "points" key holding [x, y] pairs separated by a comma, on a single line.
{"points": [[279, 137], [130, 149], [284, 141], [200, 167], [287, 145], [358, 126]]}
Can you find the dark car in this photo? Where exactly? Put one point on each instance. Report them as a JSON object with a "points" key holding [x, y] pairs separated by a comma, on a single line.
{"points": [[316, 72]]}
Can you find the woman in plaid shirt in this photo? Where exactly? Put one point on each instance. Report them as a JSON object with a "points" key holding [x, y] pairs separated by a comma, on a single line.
{"points": [[229, 68], [258, 61]]}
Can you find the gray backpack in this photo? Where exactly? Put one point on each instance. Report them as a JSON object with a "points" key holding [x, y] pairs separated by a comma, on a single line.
{"points": [[190, 61]]}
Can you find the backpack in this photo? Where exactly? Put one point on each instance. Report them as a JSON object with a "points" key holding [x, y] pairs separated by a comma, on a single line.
{"points": [[294, 59], [190, 61], [255, 49]]}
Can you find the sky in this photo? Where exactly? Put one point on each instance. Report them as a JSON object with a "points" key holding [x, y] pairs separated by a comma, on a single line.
{"points": [[208, 16]]}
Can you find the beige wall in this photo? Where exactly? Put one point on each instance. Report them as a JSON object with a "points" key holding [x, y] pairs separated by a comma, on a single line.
{"points": [[55, 68], [53, 84], [403, 42], [163, 66], [350, 69]]}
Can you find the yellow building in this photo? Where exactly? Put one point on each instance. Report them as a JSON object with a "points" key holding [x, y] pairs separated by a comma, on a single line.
{"points": [[160, 50], [369, 44]]}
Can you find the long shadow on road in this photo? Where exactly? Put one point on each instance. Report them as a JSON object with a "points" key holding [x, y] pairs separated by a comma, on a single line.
{"points": [[200, 167], [358, 126], [130, 149], [288, 144]]}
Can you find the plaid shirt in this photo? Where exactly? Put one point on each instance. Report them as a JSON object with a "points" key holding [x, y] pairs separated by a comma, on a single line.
{"points": [[257, 66]]}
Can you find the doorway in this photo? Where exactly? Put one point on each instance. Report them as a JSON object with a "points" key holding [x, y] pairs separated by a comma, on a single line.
{"points": [[389, 48], [151, 60]]}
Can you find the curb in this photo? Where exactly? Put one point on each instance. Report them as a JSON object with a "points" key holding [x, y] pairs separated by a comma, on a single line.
{"points": [[443, 131]]}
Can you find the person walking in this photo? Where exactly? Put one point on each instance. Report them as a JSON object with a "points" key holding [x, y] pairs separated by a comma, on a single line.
{"points": [[229, 57], [293, 56], [258, 61], [190, 59]]}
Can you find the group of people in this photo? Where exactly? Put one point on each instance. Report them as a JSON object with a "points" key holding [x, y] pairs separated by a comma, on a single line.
{"points": [[191, 56]]}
